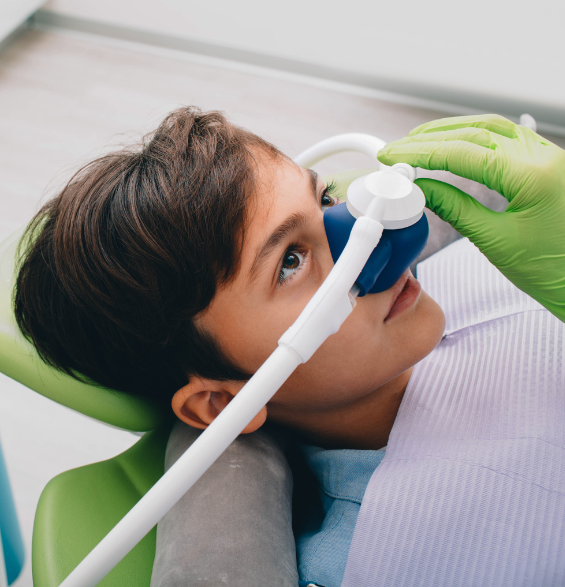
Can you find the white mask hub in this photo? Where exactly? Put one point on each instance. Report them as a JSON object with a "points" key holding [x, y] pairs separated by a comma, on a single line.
{"points": [[404, 200]]}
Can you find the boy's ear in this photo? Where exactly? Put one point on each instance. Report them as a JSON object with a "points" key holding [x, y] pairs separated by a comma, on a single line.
{"points": [[201, 400]]}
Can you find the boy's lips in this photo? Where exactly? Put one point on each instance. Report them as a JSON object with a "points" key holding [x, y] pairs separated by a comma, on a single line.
{"points": [[405, 292]]}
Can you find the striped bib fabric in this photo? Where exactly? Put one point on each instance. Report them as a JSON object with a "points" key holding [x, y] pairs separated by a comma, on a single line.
{"points": [[471, 491]]}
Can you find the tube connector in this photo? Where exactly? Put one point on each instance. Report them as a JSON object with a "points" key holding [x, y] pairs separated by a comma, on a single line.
{"points": [[376, 209], [406, 170]]}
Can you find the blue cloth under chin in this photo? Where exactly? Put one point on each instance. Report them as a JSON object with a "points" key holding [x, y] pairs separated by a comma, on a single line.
{"points": [[342, 476]]}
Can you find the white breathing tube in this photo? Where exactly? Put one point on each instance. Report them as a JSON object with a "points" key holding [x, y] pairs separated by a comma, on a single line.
{"points": [[355, 141], [322, 316]]}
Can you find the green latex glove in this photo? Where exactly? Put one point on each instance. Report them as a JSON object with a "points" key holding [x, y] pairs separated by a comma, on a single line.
{"points": [[526, 242]]}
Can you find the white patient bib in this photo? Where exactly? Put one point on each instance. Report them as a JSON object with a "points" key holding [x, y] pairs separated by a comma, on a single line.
{"points": [[471, 491]]}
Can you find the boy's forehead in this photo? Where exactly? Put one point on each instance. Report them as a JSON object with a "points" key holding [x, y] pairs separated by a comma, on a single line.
{"points": [[281, 177], [275, 173]]}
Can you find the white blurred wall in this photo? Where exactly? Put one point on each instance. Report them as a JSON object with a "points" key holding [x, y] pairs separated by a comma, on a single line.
{"points": [[14, 12], [489, 54]]}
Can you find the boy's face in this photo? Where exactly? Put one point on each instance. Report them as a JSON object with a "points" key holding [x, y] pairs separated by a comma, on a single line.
{"points": [[285, 259]]}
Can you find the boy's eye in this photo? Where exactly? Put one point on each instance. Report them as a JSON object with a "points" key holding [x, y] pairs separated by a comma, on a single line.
{"points": [[327, 201], [291, 263]]}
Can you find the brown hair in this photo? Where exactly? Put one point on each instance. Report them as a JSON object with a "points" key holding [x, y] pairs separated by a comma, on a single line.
{"points": [[121, 261]]}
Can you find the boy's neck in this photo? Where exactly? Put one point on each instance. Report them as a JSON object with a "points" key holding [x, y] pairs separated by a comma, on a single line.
{"points": [[364, 425]]}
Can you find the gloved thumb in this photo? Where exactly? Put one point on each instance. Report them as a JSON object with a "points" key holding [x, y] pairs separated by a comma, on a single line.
{"points": [[469, 217]]}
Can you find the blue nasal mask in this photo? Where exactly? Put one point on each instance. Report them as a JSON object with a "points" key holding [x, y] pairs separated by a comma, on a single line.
{"points": [[406, 227]]}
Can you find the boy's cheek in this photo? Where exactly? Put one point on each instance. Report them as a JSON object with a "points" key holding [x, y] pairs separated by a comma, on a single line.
{"points": [[363, 355]]}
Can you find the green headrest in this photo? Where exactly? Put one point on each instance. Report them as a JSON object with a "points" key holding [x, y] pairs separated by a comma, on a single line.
{"points": [[19, 360]]}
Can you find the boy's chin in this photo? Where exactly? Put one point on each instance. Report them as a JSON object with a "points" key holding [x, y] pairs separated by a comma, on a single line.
{"points": [[435, 320], [429, 326]]}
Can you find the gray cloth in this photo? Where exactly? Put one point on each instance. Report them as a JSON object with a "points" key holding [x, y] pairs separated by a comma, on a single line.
{"points": [[234, 527]]}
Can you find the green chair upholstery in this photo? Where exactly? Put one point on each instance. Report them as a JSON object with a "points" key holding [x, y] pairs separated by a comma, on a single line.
{"points": [[79, 507]]}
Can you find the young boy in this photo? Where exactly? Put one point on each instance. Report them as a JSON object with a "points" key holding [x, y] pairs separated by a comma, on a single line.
{"points": [[170, 272]]}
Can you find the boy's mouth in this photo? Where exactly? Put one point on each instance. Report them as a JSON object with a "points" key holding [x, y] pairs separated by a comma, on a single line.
{"points": [[405, 293]]}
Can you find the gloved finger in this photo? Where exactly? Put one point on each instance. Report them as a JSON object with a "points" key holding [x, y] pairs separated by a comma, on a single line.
{"points": [[477, 136], [460, 157], [493, 122], [527, 134], [468, 216]]}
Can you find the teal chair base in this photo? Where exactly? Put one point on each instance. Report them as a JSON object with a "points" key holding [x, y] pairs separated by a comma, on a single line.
{"points": [[12, 543]]}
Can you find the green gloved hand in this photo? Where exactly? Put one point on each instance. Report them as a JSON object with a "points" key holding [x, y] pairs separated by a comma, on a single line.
{"points": [[526, 242]]}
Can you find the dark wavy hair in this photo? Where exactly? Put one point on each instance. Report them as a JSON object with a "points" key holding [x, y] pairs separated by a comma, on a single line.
{"points": [[115, 268]]}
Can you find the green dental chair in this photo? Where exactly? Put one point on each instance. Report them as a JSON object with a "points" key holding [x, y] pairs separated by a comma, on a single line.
{"points": [[79, 507]]}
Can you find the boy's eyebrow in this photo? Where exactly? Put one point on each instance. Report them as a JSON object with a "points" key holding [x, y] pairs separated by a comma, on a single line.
{"points": [[293, 222], [314, 182]]}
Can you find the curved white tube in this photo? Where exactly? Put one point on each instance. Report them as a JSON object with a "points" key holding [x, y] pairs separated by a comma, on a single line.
{"points": [[358, 142], [529, 121]]}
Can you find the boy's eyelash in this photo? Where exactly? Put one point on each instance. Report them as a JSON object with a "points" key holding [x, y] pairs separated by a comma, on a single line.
{"points": [[331, 191], [331, 188]]}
